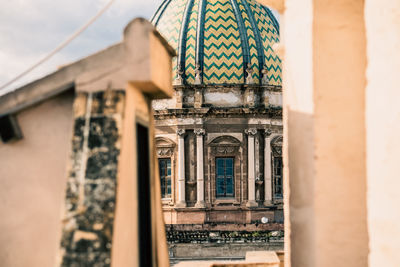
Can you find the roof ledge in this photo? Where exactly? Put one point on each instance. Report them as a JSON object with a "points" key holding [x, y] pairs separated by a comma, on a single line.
{"points": [[142, 59]]}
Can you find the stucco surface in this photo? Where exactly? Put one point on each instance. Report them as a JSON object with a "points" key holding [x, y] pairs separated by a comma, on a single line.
{"points": [[383, 130], [324, 132], [339, 60], [33, 179]]}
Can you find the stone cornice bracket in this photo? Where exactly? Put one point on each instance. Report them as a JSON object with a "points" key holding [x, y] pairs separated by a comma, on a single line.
{"points": [[251, 131], [180, 132], [264, 72], [179, 76], [200, 131], [249, 71], [267, 132], [198, 77]]}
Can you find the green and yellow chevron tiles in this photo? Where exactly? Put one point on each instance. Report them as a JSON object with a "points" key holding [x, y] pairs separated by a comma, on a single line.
{"points": [[220, 51], [223, 60], [191, 44], [252, 43], [270, 37]]}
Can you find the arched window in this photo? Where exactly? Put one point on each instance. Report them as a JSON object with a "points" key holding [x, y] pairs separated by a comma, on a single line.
{"points": [[225, 154]]}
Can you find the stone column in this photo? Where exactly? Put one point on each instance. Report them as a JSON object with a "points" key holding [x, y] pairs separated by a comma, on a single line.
{"points": [[200, 168], [251, 132], [181, 168], [267, 169]]}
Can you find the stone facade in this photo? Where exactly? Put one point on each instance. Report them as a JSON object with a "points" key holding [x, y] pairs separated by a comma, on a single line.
{"points": [[204, 123], [92, 179]]}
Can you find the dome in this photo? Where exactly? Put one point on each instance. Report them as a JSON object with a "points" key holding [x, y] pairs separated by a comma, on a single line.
{"points": [[221, 41]]}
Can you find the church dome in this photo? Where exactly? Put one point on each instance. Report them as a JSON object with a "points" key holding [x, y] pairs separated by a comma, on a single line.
{"points": [[221, 41]]}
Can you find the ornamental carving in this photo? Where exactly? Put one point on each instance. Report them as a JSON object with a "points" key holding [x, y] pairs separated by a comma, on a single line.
{"points": [[224, 150], [225, 145], [199, 131], [180, 132], [165, 147], [165, 151], [276, 146], [267, 132], [251, 131]]}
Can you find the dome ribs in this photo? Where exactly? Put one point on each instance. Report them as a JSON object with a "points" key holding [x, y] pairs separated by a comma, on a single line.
{"points": [[259, 43], [183, 35], [269, 37], [272, 17], [190, 64], [243, 35], [200, 35], [215, 40]]}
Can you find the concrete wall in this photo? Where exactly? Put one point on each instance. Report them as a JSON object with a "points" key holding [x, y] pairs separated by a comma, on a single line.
{"points": [[33, 179]]}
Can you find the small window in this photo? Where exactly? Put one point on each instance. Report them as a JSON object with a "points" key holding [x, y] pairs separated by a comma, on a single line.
{"points": [[278, 176], [9, 129], [224, 177], [165, 177]]}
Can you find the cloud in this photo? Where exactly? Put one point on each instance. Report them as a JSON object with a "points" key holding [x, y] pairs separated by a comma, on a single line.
{"points": [[30, 29]]}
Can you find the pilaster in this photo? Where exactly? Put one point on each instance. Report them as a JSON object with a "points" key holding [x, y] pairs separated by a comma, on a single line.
{"points": [[200, 168], [181, 203], [251, 132]]}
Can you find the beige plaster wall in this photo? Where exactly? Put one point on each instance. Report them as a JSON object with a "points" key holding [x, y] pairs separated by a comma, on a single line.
{"points": [[32, 183], [383, 130], [296, 50], [324, 81], [339, 102]]}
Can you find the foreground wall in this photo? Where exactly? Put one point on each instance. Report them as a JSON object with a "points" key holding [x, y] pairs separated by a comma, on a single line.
{"points": [[383, 131], [32, 178], [341, 131]]}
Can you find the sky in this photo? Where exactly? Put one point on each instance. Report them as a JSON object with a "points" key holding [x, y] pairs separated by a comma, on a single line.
{"points": [[30, 29]]}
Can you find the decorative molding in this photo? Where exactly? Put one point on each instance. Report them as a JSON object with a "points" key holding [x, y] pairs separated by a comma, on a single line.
{"points": [[264, 72], [198, 77], [276, 146], [251, 131], [200, 131], [224, 150], [165, 151], [225, 140], [277, 141], [179, 76], [249, 73], [267, 132], [180, 132]]}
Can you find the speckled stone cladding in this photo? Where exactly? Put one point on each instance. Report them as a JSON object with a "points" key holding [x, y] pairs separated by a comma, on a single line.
{"points": [[92, 179]]}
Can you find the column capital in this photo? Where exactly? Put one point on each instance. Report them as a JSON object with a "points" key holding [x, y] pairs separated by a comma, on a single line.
{"points": [[267, 132], [180, 132], [250, 131], [200, 131]]}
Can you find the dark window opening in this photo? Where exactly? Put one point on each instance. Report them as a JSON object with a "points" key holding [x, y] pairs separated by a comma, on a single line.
{"points": [[9, 129], [165, 177], [224, 177], [144, 199], [278, 177]]}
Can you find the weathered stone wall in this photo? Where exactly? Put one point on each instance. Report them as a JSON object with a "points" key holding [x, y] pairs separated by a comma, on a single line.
{"points": [[92, 179]]}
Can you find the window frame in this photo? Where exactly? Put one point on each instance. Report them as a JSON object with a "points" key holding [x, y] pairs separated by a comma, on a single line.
{"points": [[165, 195], [232, 178]]}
